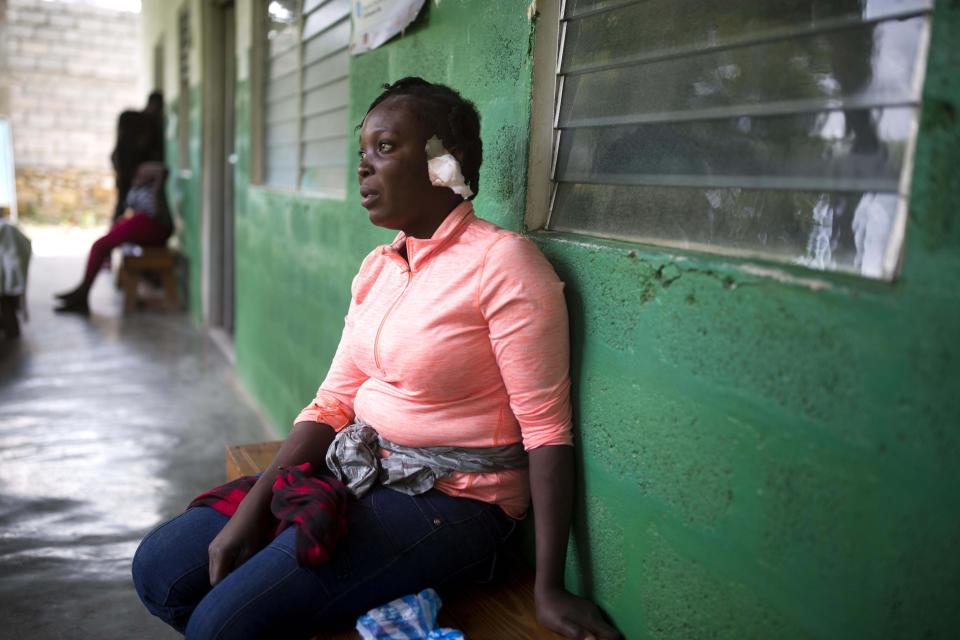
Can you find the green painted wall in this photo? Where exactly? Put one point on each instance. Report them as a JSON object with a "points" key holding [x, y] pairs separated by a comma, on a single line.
{"points": [[184, 193], [759, 459], [765, 460]]}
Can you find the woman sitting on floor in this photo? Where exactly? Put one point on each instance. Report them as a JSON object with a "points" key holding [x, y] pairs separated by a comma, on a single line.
{"points": [[145, 221], [446, 406]]}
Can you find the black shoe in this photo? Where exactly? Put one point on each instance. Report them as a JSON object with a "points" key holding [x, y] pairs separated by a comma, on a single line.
{"points": [[74, 306], [66, 295]]}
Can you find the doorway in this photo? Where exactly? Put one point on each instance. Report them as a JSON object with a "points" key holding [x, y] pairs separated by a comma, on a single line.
{"points": [[219, 161]]}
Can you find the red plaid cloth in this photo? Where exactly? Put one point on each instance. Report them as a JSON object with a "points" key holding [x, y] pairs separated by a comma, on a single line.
{"points": [[315, 504]]}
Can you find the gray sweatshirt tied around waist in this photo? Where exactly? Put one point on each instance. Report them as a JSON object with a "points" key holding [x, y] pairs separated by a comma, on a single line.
{"points": [[354, 457]]}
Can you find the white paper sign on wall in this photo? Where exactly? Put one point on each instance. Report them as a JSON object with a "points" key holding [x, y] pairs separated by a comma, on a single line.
{"points": [[376, 21]]}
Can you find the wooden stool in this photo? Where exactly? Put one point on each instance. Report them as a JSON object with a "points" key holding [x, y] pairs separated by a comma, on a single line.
{"points": [[140, 260], [498, 611]]}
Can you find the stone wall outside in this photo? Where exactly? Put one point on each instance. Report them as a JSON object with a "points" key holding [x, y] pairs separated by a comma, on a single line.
{"points": [[70, 69], [53, 195]]}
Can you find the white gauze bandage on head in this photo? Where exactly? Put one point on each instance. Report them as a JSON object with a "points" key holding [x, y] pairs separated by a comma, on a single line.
{"points": [[444, 170]]}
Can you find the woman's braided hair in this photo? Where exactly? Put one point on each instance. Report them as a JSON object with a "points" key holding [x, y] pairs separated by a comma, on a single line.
{"points": [[444, 111]]}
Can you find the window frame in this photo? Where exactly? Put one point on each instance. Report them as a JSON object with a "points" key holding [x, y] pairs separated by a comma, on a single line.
{"points": [[546, 98], [185, 42], [543, 107]]}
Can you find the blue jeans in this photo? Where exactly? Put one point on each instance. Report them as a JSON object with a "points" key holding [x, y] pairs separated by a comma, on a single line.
{"points": [[397, 544]]}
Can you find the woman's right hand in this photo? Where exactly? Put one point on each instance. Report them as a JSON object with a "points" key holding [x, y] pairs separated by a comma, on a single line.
{"points": [[238, 541], [252, 527]]}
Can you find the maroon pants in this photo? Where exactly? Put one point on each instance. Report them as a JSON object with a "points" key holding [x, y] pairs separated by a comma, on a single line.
{"points": [[141, 229]]}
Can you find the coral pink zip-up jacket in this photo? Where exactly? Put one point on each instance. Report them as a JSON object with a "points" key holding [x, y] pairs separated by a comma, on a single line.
{"points": [[465, 344]]}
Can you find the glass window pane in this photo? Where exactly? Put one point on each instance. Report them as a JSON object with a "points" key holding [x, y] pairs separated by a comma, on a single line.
{"points": [[282, 41], [579, 7], [326, 98], [306, 94], [848, 231], [325, 153], [282, 110], [328, 42], [330, 124], [861, 66], [310, 5], [280, 32], [282, 87], [282, 65], [656, 28], [856, 149], [330, 13], [281, 133], [280, 95], [281, 155], [327, 70]]}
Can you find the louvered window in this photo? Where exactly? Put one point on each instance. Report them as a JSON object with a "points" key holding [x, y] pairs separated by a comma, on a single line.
{"points": [[184, 42], [306, 95], [774, 128]]}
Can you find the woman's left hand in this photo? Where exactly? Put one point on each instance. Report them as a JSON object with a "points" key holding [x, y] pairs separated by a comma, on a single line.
{"points": [[572, 616]]}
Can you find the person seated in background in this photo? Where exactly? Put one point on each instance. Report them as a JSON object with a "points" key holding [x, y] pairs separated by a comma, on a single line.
{"points": [[139, 140], [145, 221]]}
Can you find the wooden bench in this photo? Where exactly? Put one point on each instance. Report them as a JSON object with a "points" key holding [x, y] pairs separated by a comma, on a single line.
{"points": [[138, 261], [498, 611]]}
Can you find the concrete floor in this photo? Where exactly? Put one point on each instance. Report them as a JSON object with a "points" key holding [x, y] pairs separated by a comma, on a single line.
{"points": [[108, 425]]}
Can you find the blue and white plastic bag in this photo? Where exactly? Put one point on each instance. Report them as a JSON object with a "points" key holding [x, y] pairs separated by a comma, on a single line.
{"points": [[412, 617]]}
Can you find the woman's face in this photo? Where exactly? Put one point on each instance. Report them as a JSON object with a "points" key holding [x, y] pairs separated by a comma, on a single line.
{"points": [[394, 187]]}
